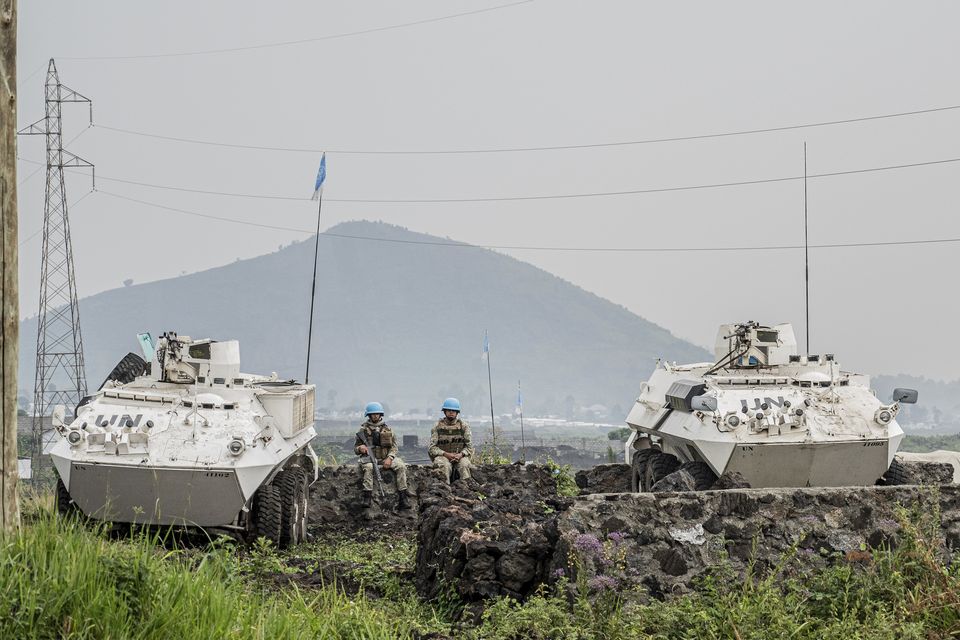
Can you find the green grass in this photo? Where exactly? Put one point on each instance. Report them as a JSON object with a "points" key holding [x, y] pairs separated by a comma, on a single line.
{"points": [[63, 579], [564, 477], [926, 444]]}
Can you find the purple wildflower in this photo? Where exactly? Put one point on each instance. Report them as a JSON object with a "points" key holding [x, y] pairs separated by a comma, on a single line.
{"points": [[616, 537], [559, 573], [587, 543], [602, 583]]}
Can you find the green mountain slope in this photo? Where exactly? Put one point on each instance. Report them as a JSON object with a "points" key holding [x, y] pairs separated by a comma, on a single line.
{"points": [[395, 321]]}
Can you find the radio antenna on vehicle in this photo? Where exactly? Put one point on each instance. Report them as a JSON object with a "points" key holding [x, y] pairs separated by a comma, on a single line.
{"points": [[806, 246]]}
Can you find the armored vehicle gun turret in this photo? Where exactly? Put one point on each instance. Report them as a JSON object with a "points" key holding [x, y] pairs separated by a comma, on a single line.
{"points": [[779, 418], [187, 439]]}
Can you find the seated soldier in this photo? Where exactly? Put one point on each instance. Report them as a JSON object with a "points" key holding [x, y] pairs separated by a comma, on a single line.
{"points": [[450, 445], [380, 437]]}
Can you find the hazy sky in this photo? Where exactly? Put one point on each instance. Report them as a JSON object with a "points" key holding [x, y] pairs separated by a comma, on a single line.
{"points": [[541, 73]]}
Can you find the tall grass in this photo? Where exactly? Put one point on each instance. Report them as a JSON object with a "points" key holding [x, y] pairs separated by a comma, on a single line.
{"points": [[62, 579]]}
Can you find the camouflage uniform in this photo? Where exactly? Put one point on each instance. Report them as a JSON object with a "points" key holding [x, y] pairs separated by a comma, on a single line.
{"points": [[383, 443], [451, 437]]}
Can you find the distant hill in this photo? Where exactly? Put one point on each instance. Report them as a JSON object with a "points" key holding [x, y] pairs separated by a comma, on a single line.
{"points": [[395, 321]]}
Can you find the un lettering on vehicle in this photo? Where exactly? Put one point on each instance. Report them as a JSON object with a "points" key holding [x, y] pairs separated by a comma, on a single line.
{"points": [[757, 402], [118, 419]]}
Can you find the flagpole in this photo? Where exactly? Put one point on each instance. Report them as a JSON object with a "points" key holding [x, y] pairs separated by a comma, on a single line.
{"points": [[493, 424], [313, 288], [523, 444]]}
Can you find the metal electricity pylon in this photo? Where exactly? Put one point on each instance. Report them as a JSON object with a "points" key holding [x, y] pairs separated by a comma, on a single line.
{"points": [[60, 376]]}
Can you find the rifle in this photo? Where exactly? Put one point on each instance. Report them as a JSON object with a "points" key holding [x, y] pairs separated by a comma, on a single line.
{"points": [[362, 436]]}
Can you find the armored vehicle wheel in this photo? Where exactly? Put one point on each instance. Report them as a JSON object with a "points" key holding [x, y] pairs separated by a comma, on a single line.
{"points": [[639, 468], [65, 504], [896, 474], [267, 513], [703, 475], [659, 466], [127, 369], [293, 499]]}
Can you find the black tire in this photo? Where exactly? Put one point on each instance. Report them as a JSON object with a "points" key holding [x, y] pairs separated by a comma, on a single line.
{"points": [[267, 513], [638, 468], [65, 504], [703, 475], [292, 486], [127, 369], [896, 474], [659, 466]]}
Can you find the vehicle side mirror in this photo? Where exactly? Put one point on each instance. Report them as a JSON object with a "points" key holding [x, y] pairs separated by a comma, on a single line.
{"points": [[905, 396], [706, 404]]}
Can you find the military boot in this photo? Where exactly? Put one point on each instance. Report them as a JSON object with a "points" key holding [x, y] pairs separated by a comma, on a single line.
{"points": [[403, 501], [367, 501]]}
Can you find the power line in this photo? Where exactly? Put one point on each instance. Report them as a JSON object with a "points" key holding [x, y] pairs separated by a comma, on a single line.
{"points": [[43, 165], [32, 173], [37, 232], [562, 196], [205, 215], [288, 43], [592, 145], [459, 245], [33, 73]]}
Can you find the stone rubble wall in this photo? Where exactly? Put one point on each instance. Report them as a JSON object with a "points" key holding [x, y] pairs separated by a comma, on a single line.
{"points": [[664, 542], [493, 539], [604, 478], [336, 497], [491, 544], [508, 532]]}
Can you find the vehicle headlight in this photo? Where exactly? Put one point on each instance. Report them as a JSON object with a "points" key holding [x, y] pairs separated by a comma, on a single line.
{"points": [[74, 437], [733, 421], [883, 415], [236, 446]]}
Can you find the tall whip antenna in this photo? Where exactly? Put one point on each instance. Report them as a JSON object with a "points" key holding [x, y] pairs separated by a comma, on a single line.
{"points": [[806, 246], [318, 196], [486, 356], [523, 442]]}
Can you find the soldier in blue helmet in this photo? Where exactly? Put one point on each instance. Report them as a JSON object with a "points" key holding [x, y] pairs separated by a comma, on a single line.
{"points": [[384, 444], [450, 442]]}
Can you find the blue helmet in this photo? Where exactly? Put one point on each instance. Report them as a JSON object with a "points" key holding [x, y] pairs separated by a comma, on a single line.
{"points": [[373, 407], [451, 403]]}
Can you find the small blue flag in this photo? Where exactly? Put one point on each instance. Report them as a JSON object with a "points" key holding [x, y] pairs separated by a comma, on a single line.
{"points": [[519, 399], [321, 177], [486, 347]]}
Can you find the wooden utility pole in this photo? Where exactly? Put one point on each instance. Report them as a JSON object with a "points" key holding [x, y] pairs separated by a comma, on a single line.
{"points": [[9, 294]]}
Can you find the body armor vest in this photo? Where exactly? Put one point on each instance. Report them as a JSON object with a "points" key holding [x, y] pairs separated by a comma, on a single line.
{"points": [[381, 441], [450, 437]]}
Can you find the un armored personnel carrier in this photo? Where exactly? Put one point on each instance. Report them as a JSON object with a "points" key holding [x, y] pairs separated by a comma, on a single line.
{"points": [[779, 418], [187, 439]]}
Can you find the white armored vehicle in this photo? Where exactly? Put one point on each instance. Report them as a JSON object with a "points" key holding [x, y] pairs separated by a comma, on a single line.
{"points": [[190, 440], [779, 418]]}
